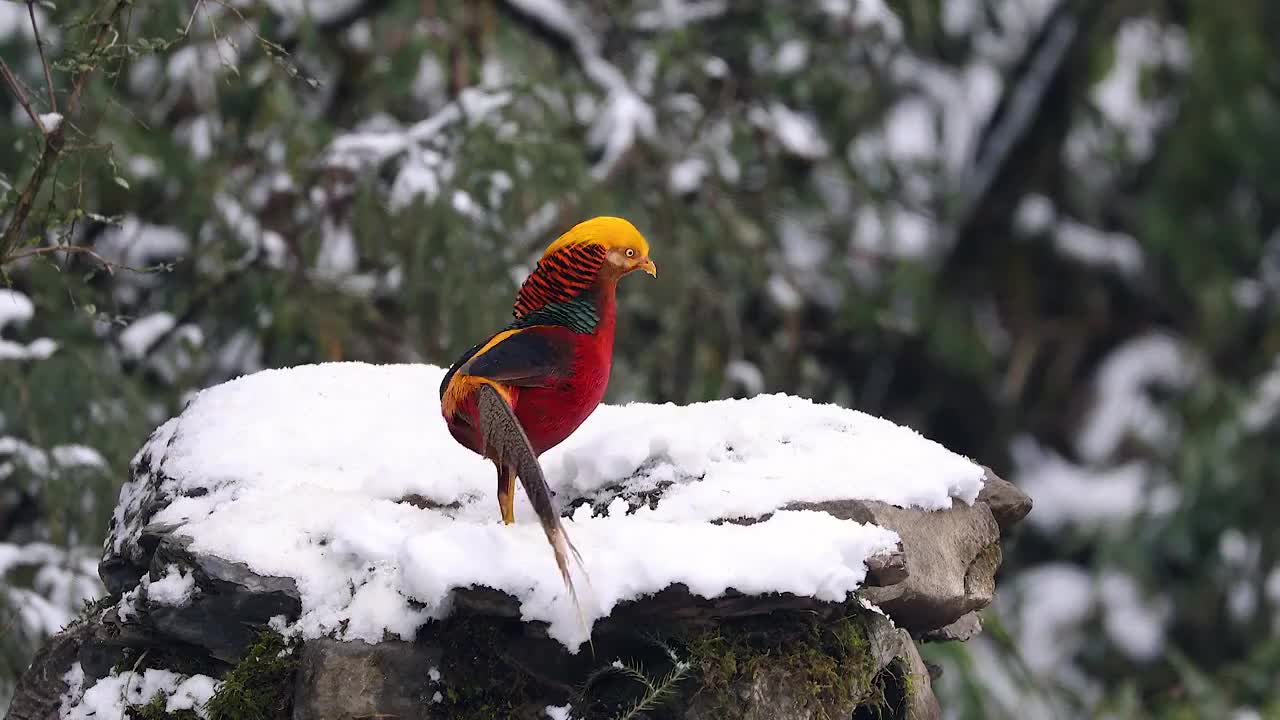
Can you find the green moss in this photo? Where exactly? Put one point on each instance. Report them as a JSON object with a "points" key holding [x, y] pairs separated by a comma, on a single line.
{"points": [[260, 686], [830, 658], [155, 710]]}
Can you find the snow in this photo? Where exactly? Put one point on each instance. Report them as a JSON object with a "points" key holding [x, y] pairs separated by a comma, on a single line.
{"points": [[676, 14], [791, 57], [77, 456], [1035, 214], [875, 14], [136, 243], [746, 374], [1140, 44], [1263, 404], [909, 131], [797, 132], [1054, 600], [318, 11], [1067, 495], [62, 579], [1091, 246], [37, 461], [338, 255], [783, 293], [1122, 407], [302, 468], [175, 589], [1136, 625], [15, 308], [136, 339], [686, 176], [38, 349], [111, 697], [558, 712], [50, 121]]}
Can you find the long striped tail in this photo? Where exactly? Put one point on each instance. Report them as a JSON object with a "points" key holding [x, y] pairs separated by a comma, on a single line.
{"points": [[509, 446]]}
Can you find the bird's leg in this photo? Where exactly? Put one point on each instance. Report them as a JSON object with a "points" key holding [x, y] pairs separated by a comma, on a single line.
{"points": [[506, 493]]}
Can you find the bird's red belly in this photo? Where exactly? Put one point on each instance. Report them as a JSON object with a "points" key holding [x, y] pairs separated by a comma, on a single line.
{"points": [[551, 414]]}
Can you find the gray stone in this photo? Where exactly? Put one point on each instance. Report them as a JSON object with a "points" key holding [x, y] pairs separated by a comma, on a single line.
{"points": [[968, 626], [921, 703], [231, 603], [1008, 504], [952, 557], [357, 680], [887, 568], [931, 585]]}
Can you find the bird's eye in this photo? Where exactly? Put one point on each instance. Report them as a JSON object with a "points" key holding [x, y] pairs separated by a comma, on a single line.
{"points": [[631, 252]]}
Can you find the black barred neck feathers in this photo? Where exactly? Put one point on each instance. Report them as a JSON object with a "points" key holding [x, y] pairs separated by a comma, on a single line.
{"points": [[577, 271], [560, 277], [558, 291]]}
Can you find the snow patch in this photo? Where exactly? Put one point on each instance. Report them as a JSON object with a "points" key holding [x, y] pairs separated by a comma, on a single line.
{"points": [[558, 712], [175, 589], [15, 308], [112, 697], [141, 334], [1122, 407], [50, 121], [1067, 495]]}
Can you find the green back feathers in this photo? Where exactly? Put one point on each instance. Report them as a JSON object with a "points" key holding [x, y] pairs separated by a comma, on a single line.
{"points": [[579, 315]]}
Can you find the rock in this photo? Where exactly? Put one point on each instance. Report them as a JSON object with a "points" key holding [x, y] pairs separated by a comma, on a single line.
{"points": [[950, 557], [229, 600], [886, 569], [968, 626], [738, 655], [921, 703], [39, 690], [359, 680], [1008, 504]]}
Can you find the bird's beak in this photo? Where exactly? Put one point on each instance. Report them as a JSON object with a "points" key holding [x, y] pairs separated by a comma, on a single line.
{"points": [[648, 266]]}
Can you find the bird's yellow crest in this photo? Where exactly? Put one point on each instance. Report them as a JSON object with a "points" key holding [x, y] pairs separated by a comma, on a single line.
{"points": [[611, 232]]}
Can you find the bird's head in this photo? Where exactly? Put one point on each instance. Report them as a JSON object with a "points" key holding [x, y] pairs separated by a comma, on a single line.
{"points": [[626, 250]]}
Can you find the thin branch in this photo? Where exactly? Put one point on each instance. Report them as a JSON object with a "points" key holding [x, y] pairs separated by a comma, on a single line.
{"points": [[48, 76], [16, 88], [70, 249], [53, 139]]}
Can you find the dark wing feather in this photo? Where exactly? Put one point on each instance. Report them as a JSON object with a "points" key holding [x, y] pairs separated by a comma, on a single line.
{"points": [[453, 369], [508, 445], [530, 357]]}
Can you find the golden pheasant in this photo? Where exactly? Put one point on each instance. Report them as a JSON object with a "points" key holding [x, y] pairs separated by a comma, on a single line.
{"points": [[526, 388]]}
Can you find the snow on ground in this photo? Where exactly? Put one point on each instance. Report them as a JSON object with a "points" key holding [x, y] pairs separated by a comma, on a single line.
{"points": [[301, 470], [111, 697]]}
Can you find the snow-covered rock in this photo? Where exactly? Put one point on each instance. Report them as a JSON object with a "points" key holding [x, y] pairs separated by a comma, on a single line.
{"points": [[329, 502], [342, 479]]}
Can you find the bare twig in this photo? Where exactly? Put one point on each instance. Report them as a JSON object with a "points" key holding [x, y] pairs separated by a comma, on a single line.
{"points": [[48, 76], [69, 249], [16, 88]]}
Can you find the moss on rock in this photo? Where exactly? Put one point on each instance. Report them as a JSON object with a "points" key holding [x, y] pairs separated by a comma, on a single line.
{"points": [[826, 663], [155, 710], [260, 686]]}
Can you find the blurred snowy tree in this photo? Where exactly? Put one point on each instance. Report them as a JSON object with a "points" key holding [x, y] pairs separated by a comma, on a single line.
{"points": [[1043, 233]]}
